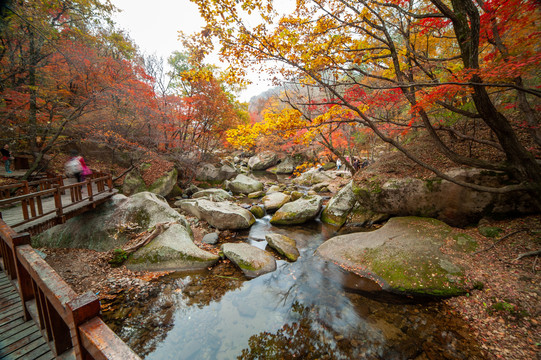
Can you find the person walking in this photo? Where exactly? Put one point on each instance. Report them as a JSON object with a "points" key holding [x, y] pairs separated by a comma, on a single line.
{"points": [[6, 157], [338, 164], [76, 166]]}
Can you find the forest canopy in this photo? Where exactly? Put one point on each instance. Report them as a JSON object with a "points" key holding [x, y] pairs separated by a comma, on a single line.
{"points": [[458, 70], [69, 75]]}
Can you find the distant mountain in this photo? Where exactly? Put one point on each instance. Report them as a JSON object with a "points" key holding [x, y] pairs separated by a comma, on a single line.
{"points": [[259, 102]]}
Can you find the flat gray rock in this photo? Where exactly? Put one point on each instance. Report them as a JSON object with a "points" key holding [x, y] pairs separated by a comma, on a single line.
{"points": [[243, 184], [222, 215], [213, 195], [274, 201], [251, 260], [403, 256], [298, 211], [211, 238], [171, 250]]}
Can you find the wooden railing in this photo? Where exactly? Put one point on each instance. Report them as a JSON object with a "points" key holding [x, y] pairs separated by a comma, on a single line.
{"points": [[34, 192], [27, 187], [71, 323]]}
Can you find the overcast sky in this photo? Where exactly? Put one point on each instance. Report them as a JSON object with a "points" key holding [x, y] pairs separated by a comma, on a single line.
{"points": [[154, 25]]}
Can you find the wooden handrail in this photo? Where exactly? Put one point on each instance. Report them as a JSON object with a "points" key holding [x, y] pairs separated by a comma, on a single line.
{"points": [[28, 186], [68, 321], [31, 202]]}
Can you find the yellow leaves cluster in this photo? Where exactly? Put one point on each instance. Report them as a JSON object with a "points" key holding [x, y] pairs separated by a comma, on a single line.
{"points": [[197, 74], [289, 123], [335, 114], [286, 122]]}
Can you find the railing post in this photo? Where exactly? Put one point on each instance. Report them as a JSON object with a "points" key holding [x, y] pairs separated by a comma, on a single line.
{"points": [[110, 182], [61, 182], [8, 256], [25, 281], [58, 205], [89, 189], [82, 308]]}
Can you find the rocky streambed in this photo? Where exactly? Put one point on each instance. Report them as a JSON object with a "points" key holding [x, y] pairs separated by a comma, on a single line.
{"points": [[285, 270], [304, 309]]}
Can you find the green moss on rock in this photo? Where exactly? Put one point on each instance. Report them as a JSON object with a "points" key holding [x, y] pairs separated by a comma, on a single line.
{"points": [[490, 231], [425, 278], [332, 219], [432, 184], [465, 243]]}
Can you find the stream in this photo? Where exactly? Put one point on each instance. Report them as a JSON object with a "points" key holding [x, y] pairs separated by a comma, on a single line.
{"points": [[308, 309]]}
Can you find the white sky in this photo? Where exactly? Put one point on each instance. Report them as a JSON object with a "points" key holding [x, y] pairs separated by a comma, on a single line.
{"points": [[154, 25]]}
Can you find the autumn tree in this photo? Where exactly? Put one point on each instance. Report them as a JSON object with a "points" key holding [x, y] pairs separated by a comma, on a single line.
{"points": [[60, 61], [194, 108], [459, 69]]}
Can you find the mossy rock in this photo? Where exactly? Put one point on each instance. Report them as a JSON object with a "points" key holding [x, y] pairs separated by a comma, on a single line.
{"points": [[177, 191], [257, 211], [165, 184], [490, 231], [251, 260], [329, 166], [433, 184], [403, 257], [171, 250], [465, 243], [295, 195], [119, 257]]}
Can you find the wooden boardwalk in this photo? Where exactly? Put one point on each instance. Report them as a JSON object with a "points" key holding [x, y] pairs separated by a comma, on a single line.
{"points": [[51, 203], [41, 317], [14, 215], [19, 339]]}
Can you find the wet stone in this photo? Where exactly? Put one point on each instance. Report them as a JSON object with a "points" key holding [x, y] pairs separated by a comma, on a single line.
{"points": [[211, 238]]}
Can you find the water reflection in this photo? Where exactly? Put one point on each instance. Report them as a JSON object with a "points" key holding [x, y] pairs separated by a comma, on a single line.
{"points": [[299, 310]]}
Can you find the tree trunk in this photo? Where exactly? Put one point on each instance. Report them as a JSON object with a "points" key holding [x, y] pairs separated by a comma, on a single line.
{"points": [[466, 24]]}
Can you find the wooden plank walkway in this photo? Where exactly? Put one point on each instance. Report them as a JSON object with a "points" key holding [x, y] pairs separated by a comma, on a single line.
{"points": [[30, 289], [19, 339], [13, 215]]}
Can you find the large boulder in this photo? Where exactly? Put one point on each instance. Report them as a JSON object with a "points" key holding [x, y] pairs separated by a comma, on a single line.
{"points": [[284, 245], [227, 172], [213, 195], [172, 250], [164, 184], [109, 225], [312, 177], [133, 183], [145, 209], [404, 256], [207, 172], [251, 260], [339, 206], [298, 211], [243, 184], [212, 174], [222, 215], [275, 200], [263, 161], [441, 199], [287, 166]]}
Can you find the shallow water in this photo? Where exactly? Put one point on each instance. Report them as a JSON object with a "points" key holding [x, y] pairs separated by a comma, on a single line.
{"points": [[302, 310]]}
